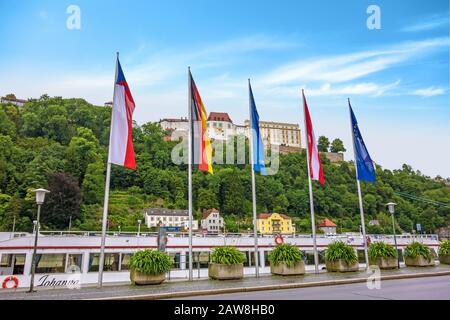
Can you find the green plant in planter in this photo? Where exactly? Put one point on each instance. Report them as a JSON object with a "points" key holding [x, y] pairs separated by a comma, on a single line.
{"points": [[416, 249], [444, 248], [381, 250], [286, 253], [341, 251], [152, 262], [227, 255]]}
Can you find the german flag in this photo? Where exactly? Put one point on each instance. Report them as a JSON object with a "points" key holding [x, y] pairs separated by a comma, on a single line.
{"points": [[201, 144]]}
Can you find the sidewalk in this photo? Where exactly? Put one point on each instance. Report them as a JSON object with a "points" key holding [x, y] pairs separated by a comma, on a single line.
{"points": [[179, 289]]}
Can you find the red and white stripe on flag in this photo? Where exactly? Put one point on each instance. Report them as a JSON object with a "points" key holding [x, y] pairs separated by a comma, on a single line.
{"points": [[315, 164], [121, 151]]}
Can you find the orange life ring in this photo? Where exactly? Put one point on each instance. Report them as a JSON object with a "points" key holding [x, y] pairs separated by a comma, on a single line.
{"points": [[7, 280], [279, 240]]}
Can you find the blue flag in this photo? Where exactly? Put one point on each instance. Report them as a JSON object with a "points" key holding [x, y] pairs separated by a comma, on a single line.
{"points": [[366, 170], [257, 147]]}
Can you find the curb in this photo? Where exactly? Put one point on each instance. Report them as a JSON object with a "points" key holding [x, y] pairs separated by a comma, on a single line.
{"points": [[184, 294]]}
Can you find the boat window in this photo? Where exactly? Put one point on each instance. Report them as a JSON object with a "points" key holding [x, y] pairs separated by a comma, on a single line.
{"points": [[310, 257], [74, 263], [361, 256], [176, 259], [266, 258], [125, 261], [112, 261], [201, 260], [50, 263], [93, 262], [6, 261]]}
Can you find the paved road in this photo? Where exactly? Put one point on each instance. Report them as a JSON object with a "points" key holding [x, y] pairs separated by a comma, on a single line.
{"points": [[435, 288]]}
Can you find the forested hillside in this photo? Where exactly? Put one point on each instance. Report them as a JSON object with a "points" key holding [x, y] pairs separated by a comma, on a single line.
{"points": [[61, 144]]}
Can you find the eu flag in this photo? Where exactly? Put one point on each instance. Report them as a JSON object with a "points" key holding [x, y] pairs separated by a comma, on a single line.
{"points": [[257, 146], [364, 164]]}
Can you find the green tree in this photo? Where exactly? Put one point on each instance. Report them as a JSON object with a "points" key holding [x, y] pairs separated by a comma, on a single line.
{"points": [[324, 144], [93, 183], [206, 199], [337, 146], [82, 150], [62, 202]]}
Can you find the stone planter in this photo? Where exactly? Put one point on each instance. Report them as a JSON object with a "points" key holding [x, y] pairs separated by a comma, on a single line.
{"points": [[283, 269], [385, 263], [444, 258], [419, 262], [138, 278], [341, 266], [225, 271]]}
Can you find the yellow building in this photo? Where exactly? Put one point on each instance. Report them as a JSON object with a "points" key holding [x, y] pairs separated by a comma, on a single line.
{"points": [[274, 223]]}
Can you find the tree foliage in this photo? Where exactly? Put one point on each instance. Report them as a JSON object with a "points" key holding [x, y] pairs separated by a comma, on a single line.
{"points": [[62, 144]]}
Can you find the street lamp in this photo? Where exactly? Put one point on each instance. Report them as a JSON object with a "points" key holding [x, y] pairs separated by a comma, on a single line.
{"points": [[391, 208], [40, 197], [139, 227]]}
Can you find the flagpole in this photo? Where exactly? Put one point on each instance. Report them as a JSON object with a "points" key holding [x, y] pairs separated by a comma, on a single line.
{"points": [[311, 198], [358, 184], [255, 233], [190, 171], [106, 199]]}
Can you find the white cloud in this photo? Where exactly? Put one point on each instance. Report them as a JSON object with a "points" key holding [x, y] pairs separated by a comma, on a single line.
{"points": [[348, 67], [430, 24], [429, 92]]}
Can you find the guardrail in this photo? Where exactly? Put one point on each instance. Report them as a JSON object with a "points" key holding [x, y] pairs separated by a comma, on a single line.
{"points": [[229, 235]]}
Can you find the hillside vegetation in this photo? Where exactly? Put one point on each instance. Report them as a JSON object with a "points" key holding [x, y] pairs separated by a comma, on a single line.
{"points": [[61, 144]]}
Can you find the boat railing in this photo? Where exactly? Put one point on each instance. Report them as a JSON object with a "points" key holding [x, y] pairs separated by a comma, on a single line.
{"points": [[232, 235]]}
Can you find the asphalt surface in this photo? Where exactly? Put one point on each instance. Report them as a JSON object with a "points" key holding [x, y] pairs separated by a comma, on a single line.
{"points": [[434, 288], [174, 287]]}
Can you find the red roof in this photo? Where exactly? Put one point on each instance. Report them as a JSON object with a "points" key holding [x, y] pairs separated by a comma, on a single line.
{"points": [[219, 116], [267, 215], [327, 223], [208, 212]]}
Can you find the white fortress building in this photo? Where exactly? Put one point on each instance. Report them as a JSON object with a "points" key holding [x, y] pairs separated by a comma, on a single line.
{"points": [[155, 217], [221, 127]]}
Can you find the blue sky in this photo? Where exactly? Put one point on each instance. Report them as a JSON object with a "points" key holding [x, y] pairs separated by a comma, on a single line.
{"points": [[397, 77]]}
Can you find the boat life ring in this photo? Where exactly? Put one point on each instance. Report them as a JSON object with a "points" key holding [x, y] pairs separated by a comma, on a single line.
{"points": [[8, 280], [279, 240]]}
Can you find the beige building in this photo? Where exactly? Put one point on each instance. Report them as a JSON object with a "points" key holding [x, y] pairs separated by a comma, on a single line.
{"points": [[279, 133]]}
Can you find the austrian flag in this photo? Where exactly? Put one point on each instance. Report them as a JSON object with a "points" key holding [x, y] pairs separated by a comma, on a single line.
{"points": [[121, 150], [315, 166]]}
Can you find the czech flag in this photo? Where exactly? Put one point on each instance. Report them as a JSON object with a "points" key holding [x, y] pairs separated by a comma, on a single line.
{"points": [[315, 166], [121, 150], [201, 144]]}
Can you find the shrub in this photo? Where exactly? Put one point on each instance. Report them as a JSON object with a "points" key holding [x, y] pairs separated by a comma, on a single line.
{"points": [[341, 251], [381, 250], [285, 253], [151, 262], [416, 249], [227, 255], [444, 248]]}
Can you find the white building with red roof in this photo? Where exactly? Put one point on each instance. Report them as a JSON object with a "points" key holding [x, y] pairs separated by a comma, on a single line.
{"points": [[328, 226], [212, 222]]}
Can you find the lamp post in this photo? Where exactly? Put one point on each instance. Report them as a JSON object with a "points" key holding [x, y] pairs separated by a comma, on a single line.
{"points": [[139, 227], [70, 222], [40, 197], [391, 208]]}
